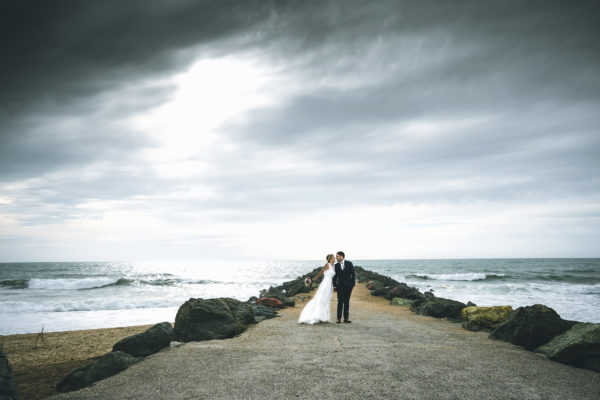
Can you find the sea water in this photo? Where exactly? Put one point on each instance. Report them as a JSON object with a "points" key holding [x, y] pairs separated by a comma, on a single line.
{"points": [[87, 295]]}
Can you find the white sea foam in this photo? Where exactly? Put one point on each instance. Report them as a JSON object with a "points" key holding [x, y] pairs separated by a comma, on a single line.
{"points": [[12, 307], [70, 284], [474, 276]]}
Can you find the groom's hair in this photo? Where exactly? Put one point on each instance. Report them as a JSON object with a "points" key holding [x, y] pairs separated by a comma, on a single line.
{"points": [[341, 253]]}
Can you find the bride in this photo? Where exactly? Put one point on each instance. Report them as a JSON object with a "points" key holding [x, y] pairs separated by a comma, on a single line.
{"points": [[317, 310]]}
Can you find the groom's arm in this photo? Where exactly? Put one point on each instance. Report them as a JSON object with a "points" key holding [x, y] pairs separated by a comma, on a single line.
{"points": [[335, 279], [352, 273]]}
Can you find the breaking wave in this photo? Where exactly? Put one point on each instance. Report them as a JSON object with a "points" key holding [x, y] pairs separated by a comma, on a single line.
{"points": [[458, 277]]}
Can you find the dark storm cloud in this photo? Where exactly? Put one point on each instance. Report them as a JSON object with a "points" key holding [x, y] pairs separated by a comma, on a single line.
{"points": [[436, 58], [528, 70], [65, 49], [59, 57]]}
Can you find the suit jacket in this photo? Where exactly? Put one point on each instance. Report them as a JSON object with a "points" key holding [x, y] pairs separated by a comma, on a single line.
{"points": [[345, 278]]}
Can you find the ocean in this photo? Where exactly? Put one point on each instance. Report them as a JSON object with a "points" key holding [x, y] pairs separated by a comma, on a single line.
{"points": [[86, 295]]}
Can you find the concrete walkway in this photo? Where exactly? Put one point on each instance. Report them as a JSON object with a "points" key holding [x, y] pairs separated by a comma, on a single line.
{"points": [[386, 352]]}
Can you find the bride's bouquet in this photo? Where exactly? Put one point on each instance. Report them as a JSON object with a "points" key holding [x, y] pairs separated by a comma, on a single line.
{"points": [[308, 282]]}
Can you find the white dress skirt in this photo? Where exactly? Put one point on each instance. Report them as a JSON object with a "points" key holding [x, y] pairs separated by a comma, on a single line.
{"points": [[317, 309]]}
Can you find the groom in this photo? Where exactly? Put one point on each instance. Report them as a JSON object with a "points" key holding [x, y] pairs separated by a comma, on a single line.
{"points": [[343, 283]]}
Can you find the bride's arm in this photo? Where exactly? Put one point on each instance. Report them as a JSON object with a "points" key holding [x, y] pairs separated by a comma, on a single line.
{"points": [[320, 273]]}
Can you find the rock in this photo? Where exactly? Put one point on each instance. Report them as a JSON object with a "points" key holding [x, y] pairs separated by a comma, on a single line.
{"points": [[148, 342], [270, 302], [486, 317], [472, 326], [362, 275], [531, 326], [107, 365], [285, 300], [441, 308], [406, 292], [429, 295], [200, 319], [175, 344], [263, 312], [303, 297], [592, 363], [380, 289], [398, 301], [8, 390], [575, 347], [384, 289]]}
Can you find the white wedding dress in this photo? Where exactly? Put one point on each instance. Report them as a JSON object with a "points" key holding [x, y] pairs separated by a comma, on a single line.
{"points": [[317, 310]]}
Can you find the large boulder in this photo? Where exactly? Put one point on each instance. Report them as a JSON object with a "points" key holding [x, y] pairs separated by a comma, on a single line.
{"points": [[406, 292], [263, 312], [440, 308], [8, 390], [484, 317], [270, 302], [579, 346], [531, 326], [108, 365], [200, 319], [148, 342]]}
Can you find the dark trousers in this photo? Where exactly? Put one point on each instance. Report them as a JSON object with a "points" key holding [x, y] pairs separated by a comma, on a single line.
{"points": [[343, 295]]}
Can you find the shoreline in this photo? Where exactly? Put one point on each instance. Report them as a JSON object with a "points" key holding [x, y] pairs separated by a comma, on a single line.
{"points": [[38, 367]]}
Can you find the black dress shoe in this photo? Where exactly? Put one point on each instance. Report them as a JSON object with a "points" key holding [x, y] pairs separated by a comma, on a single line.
{"points": [[338, 321], [347, 321]]}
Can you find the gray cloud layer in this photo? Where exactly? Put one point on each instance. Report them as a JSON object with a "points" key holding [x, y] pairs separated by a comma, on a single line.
{"points": [[518, 79]]}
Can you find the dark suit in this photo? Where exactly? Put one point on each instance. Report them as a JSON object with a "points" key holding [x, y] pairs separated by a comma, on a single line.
{"points": [[343, 282]]}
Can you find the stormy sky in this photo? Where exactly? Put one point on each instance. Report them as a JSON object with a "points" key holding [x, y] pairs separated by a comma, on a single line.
{"points": [[146, 130]]}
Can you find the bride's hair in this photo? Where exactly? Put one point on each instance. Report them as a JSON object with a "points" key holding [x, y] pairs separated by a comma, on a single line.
{"points": [[329, 256]]}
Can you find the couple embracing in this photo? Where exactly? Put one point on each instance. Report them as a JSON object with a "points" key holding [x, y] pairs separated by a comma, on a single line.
{"points": [[341, 277]]}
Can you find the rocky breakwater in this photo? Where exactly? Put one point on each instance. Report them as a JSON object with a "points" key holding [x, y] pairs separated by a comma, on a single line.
{"points": [[399, 293], [538, 327], [277, 297], [126, 352], [290, 289]]}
